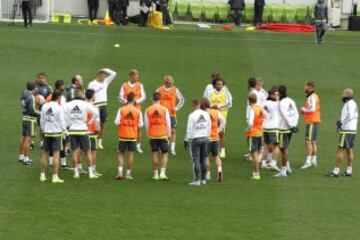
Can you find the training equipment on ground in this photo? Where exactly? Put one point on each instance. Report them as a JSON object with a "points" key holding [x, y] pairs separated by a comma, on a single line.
{"points": [[117, 45]]}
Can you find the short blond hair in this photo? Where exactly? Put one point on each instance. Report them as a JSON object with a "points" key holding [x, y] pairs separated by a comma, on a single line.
{"points": [[168, 78], [348, 92], [133, 71]]}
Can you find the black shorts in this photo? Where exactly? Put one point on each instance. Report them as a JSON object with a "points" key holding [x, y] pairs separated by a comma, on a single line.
{"points": [[94, 145], [311, 131], [173, 121], [103, 113], [346, 140], [284, 139], [213, 148], [28, 129], [126, 145], [271, 137], [80, 141], [52, 143], [254, 143], [159, 144]]}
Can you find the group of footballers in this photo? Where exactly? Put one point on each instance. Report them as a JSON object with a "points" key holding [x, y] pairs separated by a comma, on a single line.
{"points": [[79, 120]]}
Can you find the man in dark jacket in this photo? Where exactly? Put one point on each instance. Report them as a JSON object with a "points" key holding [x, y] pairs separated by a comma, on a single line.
{"points": [[144, 12], [321, 19], [165, 12], [26, 7], [123, 5], [258, 11], [93, 9], [237, 6]]}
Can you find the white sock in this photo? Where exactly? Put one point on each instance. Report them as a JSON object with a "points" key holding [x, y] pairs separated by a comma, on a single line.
{"points": [[283, 170], [220, 169], [156, 172], [79, 166], [51, 159], [255, 174], [138, 145], [63, 162], [162, 171], [21, 157], [26, 158], [336, 170], [273, 162], [173, 146], [55, 176], [120, 171], [100, 140], [349, 169], [90, 169], [128, 172], [41, 143], [76, 171], [208, 174], [94, 168], [270, 157], [263, 162], [313, 158], [42, 174], [308, 159], [222, 150], [288, 164]]}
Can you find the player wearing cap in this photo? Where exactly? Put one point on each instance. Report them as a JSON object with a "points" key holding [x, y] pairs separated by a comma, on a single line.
{"points": [[347, 126], [311, 113], [173, 100]]}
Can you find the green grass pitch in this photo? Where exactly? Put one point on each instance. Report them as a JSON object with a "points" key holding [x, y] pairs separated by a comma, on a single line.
{"points": [[307, 205]]}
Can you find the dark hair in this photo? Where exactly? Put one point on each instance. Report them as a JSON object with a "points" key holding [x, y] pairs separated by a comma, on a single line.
{"points": [[73, 79], [219, 79], [252, 82], [130, 97], [89, 93], [30, 86], [310, 83], [204, 103], [55, 95], [59, 83], [252, 98], [271, 92], [41, 74], [156, 96], [282, 91], [196, 102]]}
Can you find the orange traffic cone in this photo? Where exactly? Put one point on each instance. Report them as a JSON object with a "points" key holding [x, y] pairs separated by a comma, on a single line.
{"points": [[107, 19]]}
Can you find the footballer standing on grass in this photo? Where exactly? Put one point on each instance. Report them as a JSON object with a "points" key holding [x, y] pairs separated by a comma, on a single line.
{"points": [[347, 127], [158, 126], [135, 86], [173, 100], [76, 115], [311, 113], [129, 120], [254, 133], [197, 135], [289, 118], [30, 113], [100, 85], [53, 125]]}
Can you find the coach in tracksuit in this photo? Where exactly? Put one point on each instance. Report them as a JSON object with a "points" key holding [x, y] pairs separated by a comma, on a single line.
{"points": [[93, 9], [76, 83], [198, 132], [321, 19], [237, 6], [258, 11], [26, 7], [347, 126], [29, 115], [53, 125]]}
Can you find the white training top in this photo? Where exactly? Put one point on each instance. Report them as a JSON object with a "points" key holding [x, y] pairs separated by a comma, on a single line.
{"points": [[168, 122], [198, 125], [100, 88], [76, 113], [349, 116], [289, 115], [272, 118], [52, 119], [122, 97], [263, 96], [248, 108]]}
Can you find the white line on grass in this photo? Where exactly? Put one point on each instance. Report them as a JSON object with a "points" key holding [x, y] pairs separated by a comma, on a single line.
{"points": [[122, 34]]}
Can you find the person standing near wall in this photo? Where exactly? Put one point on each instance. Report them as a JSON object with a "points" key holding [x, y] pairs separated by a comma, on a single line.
{"points": [[93, 9], [123, 5], [26, 6], [321, 19], [165, 12], [237, 6], [258, 11]]}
